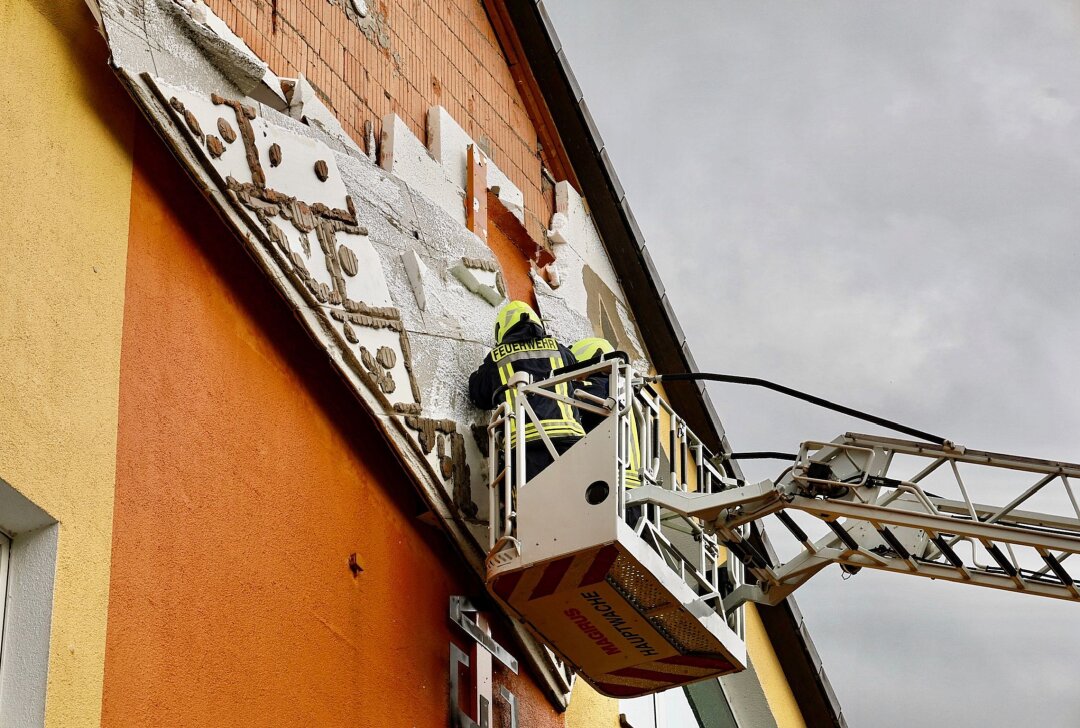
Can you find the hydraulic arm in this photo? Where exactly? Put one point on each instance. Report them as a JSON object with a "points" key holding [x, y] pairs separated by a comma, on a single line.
{"points": [[879, 499]]}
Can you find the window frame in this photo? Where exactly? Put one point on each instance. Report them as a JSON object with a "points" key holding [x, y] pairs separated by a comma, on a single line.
{"points": [[29, 538], [5, 561]]}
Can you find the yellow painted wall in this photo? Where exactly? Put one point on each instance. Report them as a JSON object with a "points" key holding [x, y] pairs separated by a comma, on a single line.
{"points": [[665, 443], [65, 179], [773, 681], [590, 709], [777, 691]]}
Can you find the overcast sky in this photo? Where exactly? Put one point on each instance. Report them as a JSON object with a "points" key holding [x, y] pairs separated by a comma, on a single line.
{"points": [[878, 202]]}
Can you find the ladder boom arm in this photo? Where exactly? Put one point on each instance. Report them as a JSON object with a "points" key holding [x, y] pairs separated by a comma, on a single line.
{"points": [[875, 518]]}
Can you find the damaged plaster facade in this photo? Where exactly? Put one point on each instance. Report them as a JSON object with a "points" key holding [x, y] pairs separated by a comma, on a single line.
{"points": [[369, 246], [388, 218]]}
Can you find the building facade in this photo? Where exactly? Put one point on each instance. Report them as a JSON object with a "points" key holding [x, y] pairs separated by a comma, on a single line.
{"points": [[254, 248]]}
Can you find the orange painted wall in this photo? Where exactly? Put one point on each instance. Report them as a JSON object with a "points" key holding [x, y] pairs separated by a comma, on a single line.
{"points": [[515, 266], [246, 476]]}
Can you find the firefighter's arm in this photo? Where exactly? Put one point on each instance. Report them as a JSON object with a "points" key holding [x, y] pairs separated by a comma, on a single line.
{"points": [[482, 385]]}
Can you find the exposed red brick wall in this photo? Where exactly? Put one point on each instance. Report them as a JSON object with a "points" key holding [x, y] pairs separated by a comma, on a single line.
{"points": [[431, 52]]}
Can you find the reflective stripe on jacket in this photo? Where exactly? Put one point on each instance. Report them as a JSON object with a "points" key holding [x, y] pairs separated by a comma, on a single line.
{"points": [[538, 356]]}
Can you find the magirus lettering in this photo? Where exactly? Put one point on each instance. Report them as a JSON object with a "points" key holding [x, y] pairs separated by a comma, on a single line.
{"points": [[592, 632]]}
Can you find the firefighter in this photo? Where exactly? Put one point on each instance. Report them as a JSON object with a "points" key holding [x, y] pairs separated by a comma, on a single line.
{"points": [[597, 385], [522, 345]]}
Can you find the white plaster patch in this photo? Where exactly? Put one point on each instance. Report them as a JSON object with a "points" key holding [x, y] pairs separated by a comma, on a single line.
{"points": [[570, 267], [369, 283], [306, 105], [372, 340], [449, 145], [338, 266], [580, 233], [404, 156], [233, 162], [417, 271], [295, 174]]}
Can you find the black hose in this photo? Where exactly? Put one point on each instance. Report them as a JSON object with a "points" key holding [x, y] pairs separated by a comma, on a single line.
{"points": [[755, 382], [765, 455]]}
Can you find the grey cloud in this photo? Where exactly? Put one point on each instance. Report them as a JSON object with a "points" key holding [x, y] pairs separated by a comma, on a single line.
{"points": [[877, 202]]}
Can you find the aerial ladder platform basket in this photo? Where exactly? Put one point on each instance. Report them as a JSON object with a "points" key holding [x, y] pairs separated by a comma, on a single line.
{"points": [[633, 605], [633, 587]]}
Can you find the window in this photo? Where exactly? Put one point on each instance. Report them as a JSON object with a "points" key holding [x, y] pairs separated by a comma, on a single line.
{"points": [[702, 704], [28, 537]]}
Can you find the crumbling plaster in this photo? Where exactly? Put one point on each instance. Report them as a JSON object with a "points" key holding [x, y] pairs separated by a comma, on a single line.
{"points": [[227, 51], [438, 170], [305, 105], [576, 240], [449, 145], [376, 260]]}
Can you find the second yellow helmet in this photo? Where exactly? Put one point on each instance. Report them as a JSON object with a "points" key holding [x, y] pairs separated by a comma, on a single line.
{"points": [[588, 348]]}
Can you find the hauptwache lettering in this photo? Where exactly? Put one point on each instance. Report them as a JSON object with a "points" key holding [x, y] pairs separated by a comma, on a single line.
{"points": [[617, 622]]}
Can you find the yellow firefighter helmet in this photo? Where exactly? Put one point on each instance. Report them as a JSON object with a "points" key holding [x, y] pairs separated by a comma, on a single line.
{"points": [[593, 346], [512, 314]]}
